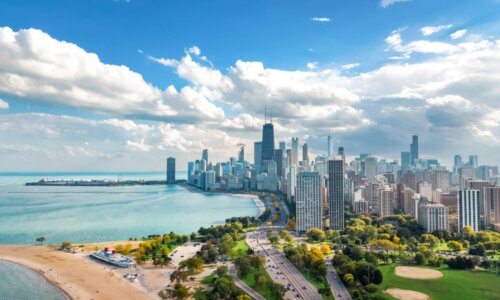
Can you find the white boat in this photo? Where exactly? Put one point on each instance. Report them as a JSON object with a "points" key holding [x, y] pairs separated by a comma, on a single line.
{"points": [[113, 258]]}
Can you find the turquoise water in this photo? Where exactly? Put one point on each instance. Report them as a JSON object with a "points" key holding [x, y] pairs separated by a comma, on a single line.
{"points": [[20, 283], [92, 214]]}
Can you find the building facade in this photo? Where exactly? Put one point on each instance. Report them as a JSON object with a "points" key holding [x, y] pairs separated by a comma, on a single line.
{"points": [[336, 193], [309, 209], [468, 209]]}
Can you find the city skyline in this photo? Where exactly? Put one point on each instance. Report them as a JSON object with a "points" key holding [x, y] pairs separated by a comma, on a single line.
{"points": [[133, 93]]}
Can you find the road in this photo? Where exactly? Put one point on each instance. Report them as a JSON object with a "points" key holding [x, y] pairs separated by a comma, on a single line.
{"points": [[242, 285], [281, 270], [338, 289]]}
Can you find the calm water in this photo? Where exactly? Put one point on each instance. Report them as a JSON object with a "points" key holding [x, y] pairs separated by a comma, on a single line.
{"points": [[20, 283], [90, 214]]}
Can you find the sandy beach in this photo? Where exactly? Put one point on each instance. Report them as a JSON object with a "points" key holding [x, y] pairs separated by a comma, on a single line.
{"points": [[75, 274]]}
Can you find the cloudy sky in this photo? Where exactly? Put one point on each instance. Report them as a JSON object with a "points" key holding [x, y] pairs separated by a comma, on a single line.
{"points": [[119, 85]]}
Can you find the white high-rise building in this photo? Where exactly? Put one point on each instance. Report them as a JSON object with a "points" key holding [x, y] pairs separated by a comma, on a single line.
{"points": [[385, 201], [468, 209], [309, 208], [433, 216], [425, 190], [371, 168], [291, 182]]}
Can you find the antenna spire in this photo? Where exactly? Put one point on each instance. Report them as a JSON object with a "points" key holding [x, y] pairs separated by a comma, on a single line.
{"points": [[265, 114]]}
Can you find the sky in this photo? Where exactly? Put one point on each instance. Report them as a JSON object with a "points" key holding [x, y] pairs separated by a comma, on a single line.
{"points": [[116, 85]]}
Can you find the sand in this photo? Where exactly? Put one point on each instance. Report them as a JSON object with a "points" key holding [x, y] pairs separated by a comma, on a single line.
{"points": [[76, 274], [417, 273], [406, 294]]}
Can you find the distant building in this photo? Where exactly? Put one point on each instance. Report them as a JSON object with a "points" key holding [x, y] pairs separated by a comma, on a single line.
{"points": [[295, 151], [336, 193], [309, 209], [492, 205], [190, 172], [291, 182], [170, 170], [305, 152], [405, 160], [425, 190], [257, 155], [371, 168], [385, 201], [414, 149], [267, 142], [204, 155], [468, 209], [361, 206], [433, 216], [329, 146], [241, 155]]}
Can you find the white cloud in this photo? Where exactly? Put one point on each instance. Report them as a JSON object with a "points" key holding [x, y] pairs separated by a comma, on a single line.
{"points": [[320, 19], [312, 65], [458, 34], [395, 43], [350, 66], [386, 3], [195, 50], [428, 30], [4, 104], [164, 61]]}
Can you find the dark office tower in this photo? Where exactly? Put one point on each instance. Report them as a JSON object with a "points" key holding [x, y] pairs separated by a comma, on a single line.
{"points": [[341, 153], [414, 149], [170, 170], [278, 157], [241, 155], [204, 155], [267, 142], [336, 193], [305, 152]]}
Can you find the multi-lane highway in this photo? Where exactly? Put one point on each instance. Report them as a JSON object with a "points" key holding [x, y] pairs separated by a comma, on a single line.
{"points": [[281, 269], [338, 289]]}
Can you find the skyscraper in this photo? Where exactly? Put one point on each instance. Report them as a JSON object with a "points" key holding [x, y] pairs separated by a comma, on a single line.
{"points": [[257, 154], [278, 157], [329, 146], [241, 154], [305, 152], [336, 193], [414, 149], [385, 201], [473, 161], [370, 168], [457, 163], [341, 153], [433, 217], [190, 171], [309, 209], [405, 160], [291, 182], [283, 146], [468, 209], [492, 205], [170, 170], [204, 155], [295, 151], [267, 142]]}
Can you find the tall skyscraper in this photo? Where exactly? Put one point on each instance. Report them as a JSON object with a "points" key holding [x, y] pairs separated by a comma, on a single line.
{"points": [[190, 171], [295, 151], [457, 163], [309, 209], [305, 152], [329, 146], [203, 165], [414, 149], [241, 154], [204, 155], [468, 209], [267, 142], [170, 170], [341, 153], [336, 193], [257, 153], [370, 168], [291, 182], [278, 157]]}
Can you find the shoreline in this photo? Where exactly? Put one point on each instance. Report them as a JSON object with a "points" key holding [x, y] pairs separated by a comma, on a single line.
{"points": [[41, 274], [258, 202]]}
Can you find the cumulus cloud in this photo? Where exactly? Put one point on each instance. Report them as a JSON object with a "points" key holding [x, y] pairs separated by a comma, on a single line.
{"points": [[428, 30], [386, 3], [4, 104], [350, 66], [312, 65], [458, 34], [320, 19], [395, 43]]}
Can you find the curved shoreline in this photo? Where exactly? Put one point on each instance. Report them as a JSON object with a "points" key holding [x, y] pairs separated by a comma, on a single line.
{"points": [[41, 274]]}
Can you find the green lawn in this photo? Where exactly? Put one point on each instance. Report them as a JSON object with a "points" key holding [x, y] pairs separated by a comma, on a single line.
{"points": [[209, 279], [456, 284], [241, 245], [261, 289]]}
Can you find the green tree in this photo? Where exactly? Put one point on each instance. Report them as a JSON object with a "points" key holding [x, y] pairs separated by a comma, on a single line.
{"points": [[41, 240], [455, 246], [180, 291], [316, 234]]}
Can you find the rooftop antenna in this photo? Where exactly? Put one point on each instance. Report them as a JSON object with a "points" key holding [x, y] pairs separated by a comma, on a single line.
{"points": [[271, 116], [265, 114]]}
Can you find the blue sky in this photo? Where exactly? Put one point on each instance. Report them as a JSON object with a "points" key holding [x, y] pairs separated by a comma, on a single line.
{"points": [[323, 66]]}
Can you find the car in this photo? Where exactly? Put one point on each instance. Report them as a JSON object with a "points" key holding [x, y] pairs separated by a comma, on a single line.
{"points": [[304, 288]]}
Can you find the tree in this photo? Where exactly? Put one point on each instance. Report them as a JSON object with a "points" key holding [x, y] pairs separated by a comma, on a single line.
{"points": [[455, 246], [180, 291], [349, 279], [316, 234], [291, 225], [244, 297], [41, 240], [385, 245], [430, 239], [325, 249]]}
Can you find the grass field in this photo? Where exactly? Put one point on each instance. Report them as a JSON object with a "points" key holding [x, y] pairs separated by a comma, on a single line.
{"points": [[261, 289], [456, 284]]}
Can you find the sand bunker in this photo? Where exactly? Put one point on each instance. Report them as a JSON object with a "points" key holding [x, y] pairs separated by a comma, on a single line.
{"points": [[406, 294], [418, 273]]}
